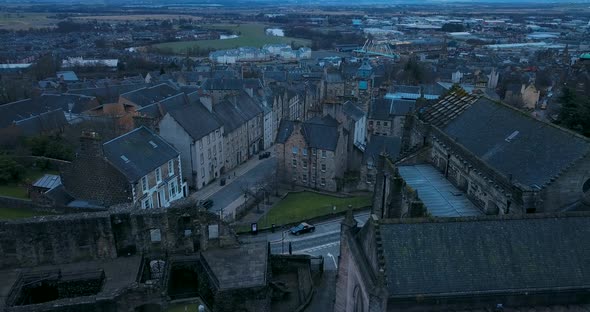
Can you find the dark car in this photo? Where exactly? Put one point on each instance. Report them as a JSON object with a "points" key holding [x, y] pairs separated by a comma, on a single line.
{"points": [[302, 228], [264, 155], [207, 203]]}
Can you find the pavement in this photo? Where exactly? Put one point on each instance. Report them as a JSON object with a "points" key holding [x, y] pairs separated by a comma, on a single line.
{"points": [[324, 241], [230, 196]]}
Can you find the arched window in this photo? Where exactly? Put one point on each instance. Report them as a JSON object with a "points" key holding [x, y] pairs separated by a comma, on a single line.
{"points": [[359, 305]]}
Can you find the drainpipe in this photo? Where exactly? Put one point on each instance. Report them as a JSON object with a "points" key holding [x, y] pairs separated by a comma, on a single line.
{"points": [[192, 169]]}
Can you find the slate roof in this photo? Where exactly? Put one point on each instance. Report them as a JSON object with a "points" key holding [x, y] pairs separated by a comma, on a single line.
{"points": [[285, 130], [334, 78], [242, 267], [321, 132], [237, 110], [465, 256], [142, 157], [108, 94], [378, 144], [44, 122], [146, 96], [196, 120], [507, 139], [353, 111], [223, 84]]}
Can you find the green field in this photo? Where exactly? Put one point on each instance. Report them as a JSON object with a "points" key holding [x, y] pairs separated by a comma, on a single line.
{"points": [[251, 35], [14, 213], [302, 206], [24, 21]]}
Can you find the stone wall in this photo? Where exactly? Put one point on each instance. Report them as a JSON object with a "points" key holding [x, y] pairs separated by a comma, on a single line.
{"points": [[107, 235]]}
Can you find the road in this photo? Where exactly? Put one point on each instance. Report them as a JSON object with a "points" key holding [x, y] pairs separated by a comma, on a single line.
{"points": [[234, 187], [324, 241]]}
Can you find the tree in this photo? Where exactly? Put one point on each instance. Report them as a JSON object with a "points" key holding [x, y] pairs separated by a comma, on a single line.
{"points": [[10, 170], [575, 111], [46, 66]]}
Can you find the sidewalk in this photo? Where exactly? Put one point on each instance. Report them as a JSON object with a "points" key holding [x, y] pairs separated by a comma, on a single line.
{"points": [[231, 176]]}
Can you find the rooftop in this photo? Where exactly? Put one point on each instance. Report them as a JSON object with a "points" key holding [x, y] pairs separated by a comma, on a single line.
{"points": [[442, 199], [242, 267]]}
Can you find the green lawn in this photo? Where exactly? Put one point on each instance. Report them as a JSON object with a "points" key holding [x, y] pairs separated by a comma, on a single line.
{"points": [[24, 21], [306, 205], [251, 35], [14, 213]]}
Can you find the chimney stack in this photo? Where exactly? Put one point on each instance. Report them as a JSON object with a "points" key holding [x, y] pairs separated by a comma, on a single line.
{"points": [[90, 144]]}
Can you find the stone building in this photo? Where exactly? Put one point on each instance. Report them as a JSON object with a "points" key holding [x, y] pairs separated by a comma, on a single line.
{"points": [[354, 120], [137, 167], [387, 116], [197, 133], [525, 95], [242, 119], [130, 260], [312, 153], [397, 262], [502, 158]]}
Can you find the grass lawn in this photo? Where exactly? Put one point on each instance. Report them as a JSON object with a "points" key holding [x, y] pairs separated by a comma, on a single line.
{"points": [[19, 190], [306, 205], [14, 213], [251, 35]]}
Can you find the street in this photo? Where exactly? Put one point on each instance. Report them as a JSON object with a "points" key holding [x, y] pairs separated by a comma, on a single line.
{"points": [[234, 187], [324, 241]]}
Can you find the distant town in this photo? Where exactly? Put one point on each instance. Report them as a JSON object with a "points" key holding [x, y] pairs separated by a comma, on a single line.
{"points": [[265, 156]]}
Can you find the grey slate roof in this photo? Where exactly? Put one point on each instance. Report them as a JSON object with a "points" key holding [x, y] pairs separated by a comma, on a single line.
{"points": [[44, 122], [146, 96], [285, 130], [142, 156], [196, 120], [378, 144], [514, 143], [222, 84], [242, 267], [321, 132], [466, 256], [237, 110], [353, 111]]}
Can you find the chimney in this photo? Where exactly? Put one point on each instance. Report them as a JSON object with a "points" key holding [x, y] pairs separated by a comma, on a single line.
{"points": [[90, 144]]}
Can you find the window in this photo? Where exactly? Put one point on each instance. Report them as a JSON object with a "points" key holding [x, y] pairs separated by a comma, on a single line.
{"points": [[323, 167], [313, 151], [304, 164], [146, 204], [203, 173], [158, 175], [294, 149], [378, 123], [209, 153], [172, 189], [170, 167], [385, 123], [144, 184], [201, 144], [323, 181], [305, 152], [202, 159], [208, 140], [305, 178], [218, 133], [323, 154], [294, 162], [370, 122], [219, 147], [313, 166], [155, 235]]}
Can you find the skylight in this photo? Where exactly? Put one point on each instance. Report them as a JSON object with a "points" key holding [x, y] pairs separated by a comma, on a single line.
{"points": [[512, 136], [125, 159], [154, 145]]}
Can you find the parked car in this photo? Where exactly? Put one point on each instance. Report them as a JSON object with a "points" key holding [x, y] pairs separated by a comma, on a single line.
{"points": [[207, 203], [302, 228], [264, 155]]}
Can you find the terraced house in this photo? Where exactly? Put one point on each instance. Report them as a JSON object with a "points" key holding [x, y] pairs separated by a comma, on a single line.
{"points": [[138, 167]]}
